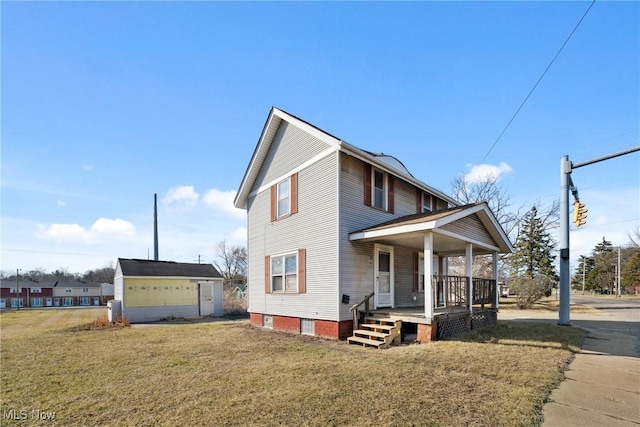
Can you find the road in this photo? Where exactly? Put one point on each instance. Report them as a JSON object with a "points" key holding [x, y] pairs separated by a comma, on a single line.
{"points": [[602, 386], [612, 314]]}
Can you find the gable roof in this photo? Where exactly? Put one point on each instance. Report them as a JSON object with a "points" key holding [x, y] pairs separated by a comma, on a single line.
{"points": [[382, 161], [29, 283], [414, 226], [151, 268]]}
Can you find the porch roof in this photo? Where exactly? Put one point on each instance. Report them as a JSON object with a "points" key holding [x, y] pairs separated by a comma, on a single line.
{"points": [[452, 229]]}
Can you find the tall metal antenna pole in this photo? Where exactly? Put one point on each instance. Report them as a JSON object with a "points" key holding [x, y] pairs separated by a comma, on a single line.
{"points": [[155, 227]]}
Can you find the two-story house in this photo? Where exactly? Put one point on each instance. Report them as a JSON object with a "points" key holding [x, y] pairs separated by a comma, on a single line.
{"points": [[329, 224]]}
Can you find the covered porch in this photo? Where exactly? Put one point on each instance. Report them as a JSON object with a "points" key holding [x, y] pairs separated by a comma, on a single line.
{"points": [[459, 299]]}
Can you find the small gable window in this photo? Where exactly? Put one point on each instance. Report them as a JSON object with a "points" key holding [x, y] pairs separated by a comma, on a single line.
{"points": [[284, 198]]}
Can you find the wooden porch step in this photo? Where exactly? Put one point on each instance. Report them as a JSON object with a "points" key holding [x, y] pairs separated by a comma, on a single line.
{"points": [[370, 334], [367, 342], [377, 326], [383, 321]]}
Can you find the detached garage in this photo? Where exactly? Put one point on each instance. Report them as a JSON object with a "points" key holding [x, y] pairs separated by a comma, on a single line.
{"points": [[154, 290]]}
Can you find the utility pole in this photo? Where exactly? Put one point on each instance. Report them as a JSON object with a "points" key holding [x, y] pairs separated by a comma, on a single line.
{"points": [[18, 292], [566, 167], [584, 264], [618, 270]]}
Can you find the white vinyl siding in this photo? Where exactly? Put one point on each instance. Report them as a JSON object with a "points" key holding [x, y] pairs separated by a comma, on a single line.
{"points": [[290, 148], [356, 258], [471, 227], [313, 227]]}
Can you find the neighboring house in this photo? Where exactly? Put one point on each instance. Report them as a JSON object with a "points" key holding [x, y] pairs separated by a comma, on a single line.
{"points": [[106, 292], [76, 293], [154, 290], [25, 293], [52, 294], [329, 223], [240, 291]]}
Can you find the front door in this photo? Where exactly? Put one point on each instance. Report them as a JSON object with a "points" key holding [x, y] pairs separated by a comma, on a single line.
{"points": [[206, 299], [383, 276]]}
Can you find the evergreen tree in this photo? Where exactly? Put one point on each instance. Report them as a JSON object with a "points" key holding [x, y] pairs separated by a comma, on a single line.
{"points": [[603, 276], [532, 270], [631, 274], [581, 278]]}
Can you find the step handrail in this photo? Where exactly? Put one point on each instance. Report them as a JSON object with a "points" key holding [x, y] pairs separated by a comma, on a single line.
{"points": [[356, 313]]}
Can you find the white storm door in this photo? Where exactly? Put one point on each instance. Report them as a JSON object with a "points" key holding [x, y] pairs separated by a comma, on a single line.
{"points": [[206, 299], [383, 276]]}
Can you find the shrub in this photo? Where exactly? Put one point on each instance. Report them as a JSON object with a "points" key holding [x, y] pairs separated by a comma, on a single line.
{"points": [[530, 289], [234, 306]]}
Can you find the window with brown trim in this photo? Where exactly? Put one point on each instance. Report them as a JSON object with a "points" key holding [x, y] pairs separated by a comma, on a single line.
{"points": [[285, 273], [378, 189], [284, 198], [424, 202]]}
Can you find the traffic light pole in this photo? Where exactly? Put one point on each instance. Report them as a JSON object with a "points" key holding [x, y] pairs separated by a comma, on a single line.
{"points": [[565, 178], [565, 184]]}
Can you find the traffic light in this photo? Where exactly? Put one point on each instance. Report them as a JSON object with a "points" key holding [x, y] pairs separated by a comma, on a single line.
{"points": [[579, 214]]}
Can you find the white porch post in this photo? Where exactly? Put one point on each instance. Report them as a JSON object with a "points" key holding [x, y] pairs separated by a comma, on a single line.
{"points": [[468, 264], [494, 275], [428, 275]]}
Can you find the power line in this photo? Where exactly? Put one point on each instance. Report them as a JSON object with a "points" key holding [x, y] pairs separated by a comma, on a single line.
{"points": [[539, 80]]}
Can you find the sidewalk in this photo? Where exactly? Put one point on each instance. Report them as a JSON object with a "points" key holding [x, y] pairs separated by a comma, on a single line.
{"points": [[602, 385]]}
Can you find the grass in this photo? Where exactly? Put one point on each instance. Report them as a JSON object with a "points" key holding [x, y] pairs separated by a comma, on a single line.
{"points": [[230, 373]]}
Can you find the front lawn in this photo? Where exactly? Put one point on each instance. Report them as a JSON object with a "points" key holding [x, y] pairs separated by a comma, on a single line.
{"points": [[230, 373]]}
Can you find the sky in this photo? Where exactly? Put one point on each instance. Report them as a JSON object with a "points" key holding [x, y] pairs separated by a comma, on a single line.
{"points": [[104, 104]]}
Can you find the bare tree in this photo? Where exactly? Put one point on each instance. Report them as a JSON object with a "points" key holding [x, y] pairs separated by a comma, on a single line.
{"points": [[634, 237], [231, 261], [100, 275], [489, 190]]}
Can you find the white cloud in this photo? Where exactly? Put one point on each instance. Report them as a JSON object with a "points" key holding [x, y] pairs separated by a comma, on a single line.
{"points": [[481, 172], [103, 227], [184, 195], [61, 203], [240, 234], [113, 226], [87, 167], [223, 200]]}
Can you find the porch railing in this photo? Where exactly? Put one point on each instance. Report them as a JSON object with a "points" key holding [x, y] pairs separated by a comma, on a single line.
{"points": [[356, 312], [452, 291]]}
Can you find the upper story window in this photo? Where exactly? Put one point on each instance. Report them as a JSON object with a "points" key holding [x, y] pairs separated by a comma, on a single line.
{"points": [[36, 290], [68, 290], [284, 198], [378, 189], [284, 205], [85, 290], [426, 202]]}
